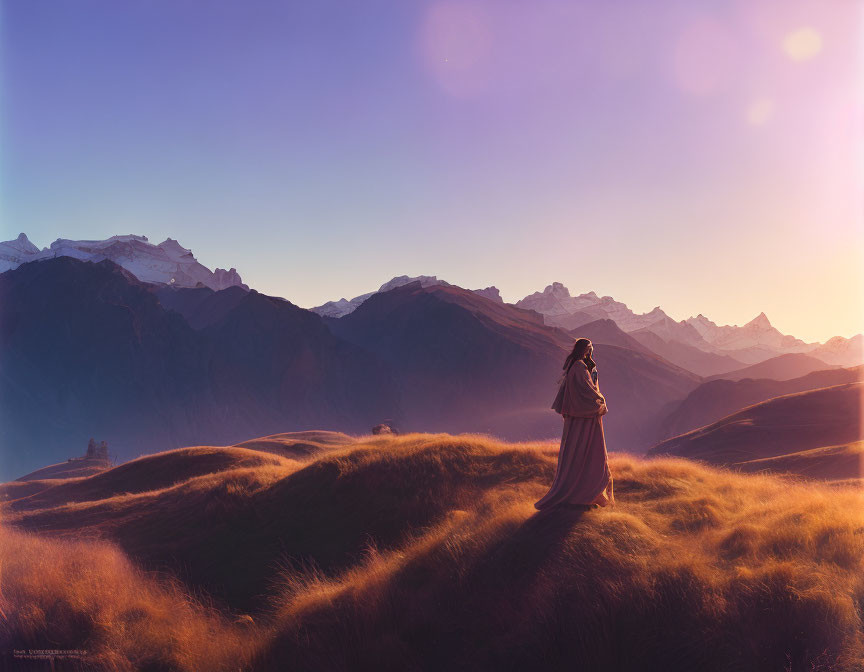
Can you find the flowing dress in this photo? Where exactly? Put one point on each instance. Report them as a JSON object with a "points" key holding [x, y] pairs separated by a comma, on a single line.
{"points": [[582, 476]]}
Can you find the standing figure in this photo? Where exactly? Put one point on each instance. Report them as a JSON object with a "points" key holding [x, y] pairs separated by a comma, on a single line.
{"points": [[582, 477]]}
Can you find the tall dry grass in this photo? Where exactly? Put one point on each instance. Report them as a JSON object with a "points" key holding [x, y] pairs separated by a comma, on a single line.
{"points": [[88, 596], [424, 552]]}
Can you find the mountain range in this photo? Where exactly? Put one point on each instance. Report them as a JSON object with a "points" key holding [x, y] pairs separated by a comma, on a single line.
{"points": [[99, 338], [167, 263], [344, 307], [87, 350], [696, 343]]}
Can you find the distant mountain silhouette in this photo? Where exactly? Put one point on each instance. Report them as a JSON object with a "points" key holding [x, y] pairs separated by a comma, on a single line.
{"points": [[466, 363], [570, 321], [684, 355], [842, 351], [559, 308], [201, 307], [343, 306], [782, 367], [86, 349], [731, 345], [167, 263], [826, 416], [716, 399], [607, 331]]}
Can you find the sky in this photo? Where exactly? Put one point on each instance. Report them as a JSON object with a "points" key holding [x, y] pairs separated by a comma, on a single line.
{"points": [[704, 156]]}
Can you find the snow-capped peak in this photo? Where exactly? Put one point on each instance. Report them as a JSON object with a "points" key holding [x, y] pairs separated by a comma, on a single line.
{"points": [[174, 250], [168, 263], [759, 322], [558, 290], [23, 244], [400, 280], [343, 307], [16, 252]]}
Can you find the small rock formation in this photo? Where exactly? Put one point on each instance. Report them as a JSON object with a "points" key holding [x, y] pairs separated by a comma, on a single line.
{"points": [[97, 452], [386, 427]]}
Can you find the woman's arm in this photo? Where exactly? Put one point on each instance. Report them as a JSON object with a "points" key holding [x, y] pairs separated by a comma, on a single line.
{"points": [[595, 378], [586, 395]]}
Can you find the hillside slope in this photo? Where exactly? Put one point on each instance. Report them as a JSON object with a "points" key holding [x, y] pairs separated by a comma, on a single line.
{"points": [[716, 399], [465, 363], [425, 552], [783, 367], [86, 350], [830, 463], [606, 331], [779, 426], [685, 355]]}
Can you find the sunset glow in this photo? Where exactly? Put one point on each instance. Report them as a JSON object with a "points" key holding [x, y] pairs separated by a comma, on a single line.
{"points": [[700, 156]]}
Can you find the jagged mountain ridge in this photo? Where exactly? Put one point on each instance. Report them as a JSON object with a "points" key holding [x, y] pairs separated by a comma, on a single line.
{"points": [[466, 363], [729, 347], [86, 349], [344, 307], [725, 348], [167, 263], [754, 342]]}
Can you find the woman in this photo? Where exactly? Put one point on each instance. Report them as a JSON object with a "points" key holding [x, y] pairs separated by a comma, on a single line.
{"points": [[582, 477]]}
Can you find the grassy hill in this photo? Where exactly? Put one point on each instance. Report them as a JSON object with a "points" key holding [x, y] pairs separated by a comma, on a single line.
{"points": [[716, 399], [424, 552], [835, 463], [826, 416]]}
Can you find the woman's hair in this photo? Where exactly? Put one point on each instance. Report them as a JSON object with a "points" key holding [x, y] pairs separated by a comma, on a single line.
{"points": [[580, 347]]}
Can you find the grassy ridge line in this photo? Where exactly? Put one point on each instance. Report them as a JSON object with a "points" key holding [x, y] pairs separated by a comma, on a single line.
{"points": [[694, 565]]}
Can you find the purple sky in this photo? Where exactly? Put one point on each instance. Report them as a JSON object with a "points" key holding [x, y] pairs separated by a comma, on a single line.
{"points": [[703, 156]]}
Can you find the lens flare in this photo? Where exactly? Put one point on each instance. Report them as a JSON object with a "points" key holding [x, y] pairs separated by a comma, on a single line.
{"points": [[760, 111], [802, 44]]}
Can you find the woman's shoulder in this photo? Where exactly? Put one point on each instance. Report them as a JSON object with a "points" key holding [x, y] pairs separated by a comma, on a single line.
{"points": [[578, 369]]}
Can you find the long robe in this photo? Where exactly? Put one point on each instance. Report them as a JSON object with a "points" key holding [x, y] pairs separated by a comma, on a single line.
{"points": [[582, 476]]}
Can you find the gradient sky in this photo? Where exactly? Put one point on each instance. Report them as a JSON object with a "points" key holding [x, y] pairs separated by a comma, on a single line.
{"points": [[701, 156]]}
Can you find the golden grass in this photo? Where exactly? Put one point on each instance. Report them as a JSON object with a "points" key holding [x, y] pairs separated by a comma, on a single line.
{"points": [[146, 474], [825, 462], [425, 552], [88, 596]]}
